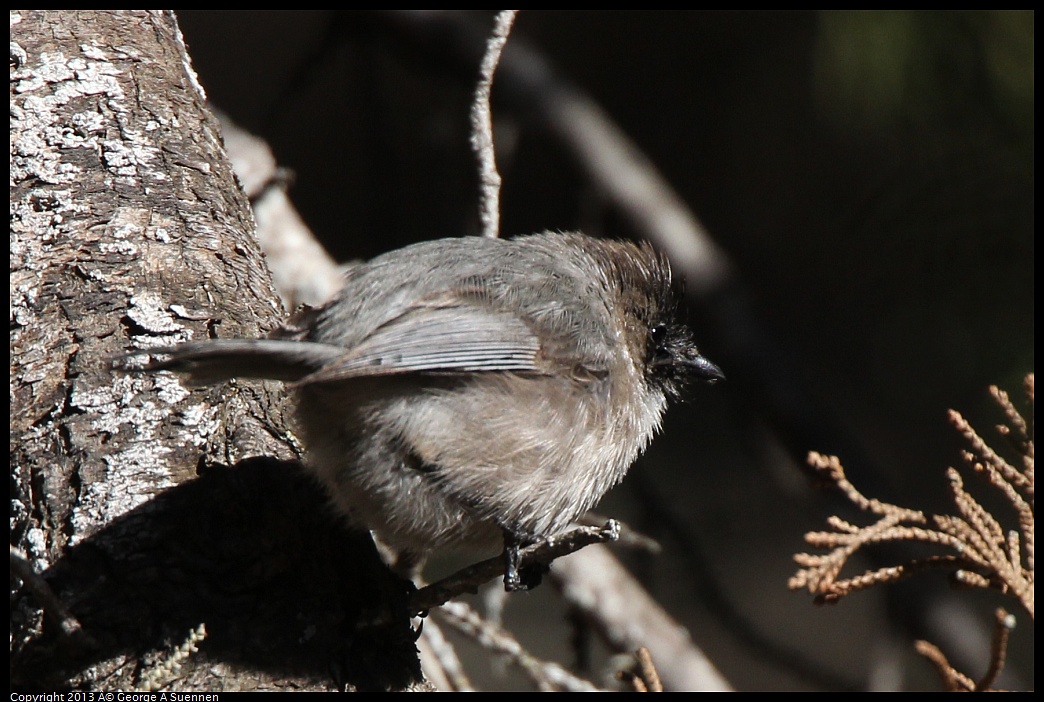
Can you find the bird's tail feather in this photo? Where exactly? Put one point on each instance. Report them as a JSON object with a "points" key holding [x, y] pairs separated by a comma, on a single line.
{"points": [[217, 360]]}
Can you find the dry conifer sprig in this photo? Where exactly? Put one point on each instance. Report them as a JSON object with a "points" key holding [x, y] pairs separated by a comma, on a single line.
{"points": [[979, 551]]}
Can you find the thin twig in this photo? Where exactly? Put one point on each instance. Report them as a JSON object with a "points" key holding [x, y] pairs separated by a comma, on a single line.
{"points": [[482, 127], [436, 650], [49, 602], [546, 674]]}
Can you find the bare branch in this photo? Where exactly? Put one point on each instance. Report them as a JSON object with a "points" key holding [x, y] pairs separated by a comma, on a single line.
{"points": [[469, 579], [600, 589], [482, 127]]}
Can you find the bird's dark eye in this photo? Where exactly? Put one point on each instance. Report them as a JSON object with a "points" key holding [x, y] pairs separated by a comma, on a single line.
{"points": [[657, 335]]}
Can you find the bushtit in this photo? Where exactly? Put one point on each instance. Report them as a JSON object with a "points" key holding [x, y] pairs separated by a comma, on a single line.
{"points": [[460, 391]]}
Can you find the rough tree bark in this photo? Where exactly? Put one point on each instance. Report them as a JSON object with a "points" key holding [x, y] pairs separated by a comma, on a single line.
{"points": [[149, 509]]}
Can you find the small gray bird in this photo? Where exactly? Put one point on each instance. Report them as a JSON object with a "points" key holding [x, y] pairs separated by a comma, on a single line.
{"points": [[462, 391]]}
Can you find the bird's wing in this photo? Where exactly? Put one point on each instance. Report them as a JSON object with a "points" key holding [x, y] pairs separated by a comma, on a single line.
{"points": [[446, 337]]}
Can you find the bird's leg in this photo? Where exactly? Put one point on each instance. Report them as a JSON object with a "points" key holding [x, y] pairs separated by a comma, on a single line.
{"points": [[512, 582], [524, 576]]}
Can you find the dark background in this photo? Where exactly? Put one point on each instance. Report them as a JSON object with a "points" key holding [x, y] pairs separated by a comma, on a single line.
{"points": [[870, 174]]}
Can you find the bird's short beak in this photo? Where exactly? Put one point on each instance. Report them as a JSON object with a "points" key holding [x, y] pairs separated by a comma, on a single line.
{"points": [[705, 370]]}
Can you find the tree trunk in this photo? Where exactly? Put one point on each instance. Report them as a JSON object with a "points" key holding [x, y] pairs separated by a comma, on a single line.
{"points": [[150, 509]]}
